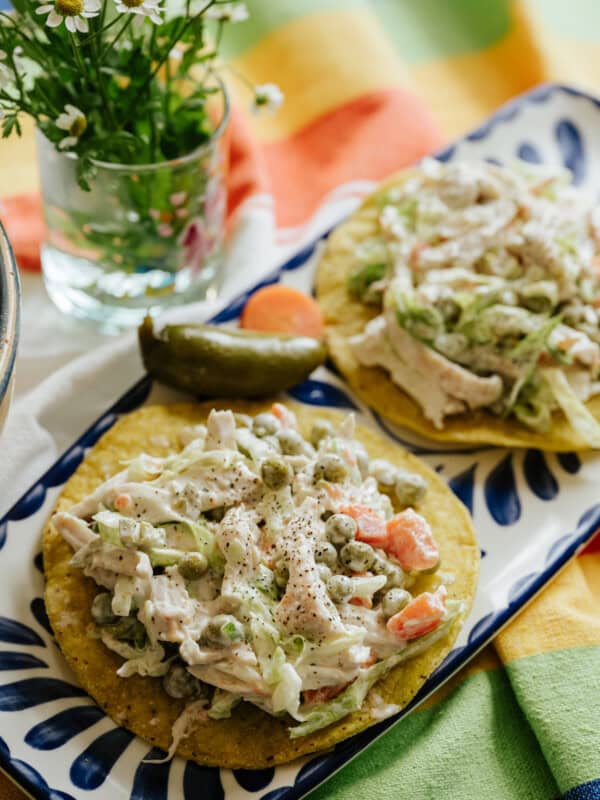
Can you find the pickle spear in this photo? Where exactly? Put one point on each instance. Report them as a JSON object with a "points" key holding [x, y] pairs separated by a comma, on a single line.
{"points": [[209, 361]]}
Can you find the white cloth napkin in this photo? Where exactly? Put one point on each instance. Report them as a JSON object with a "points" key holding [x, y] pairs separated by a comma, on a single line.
{"points": [[68, 374]]}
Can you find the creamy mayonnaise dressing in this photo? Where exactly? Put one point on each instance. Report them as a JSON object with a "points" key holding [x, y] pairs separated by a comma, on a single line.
{"points": [[259, 565]]}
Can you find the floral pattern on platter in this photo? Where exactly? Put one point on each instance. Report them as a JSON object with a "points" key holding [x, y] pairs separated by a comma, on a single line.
{"points": [[56, 736]]}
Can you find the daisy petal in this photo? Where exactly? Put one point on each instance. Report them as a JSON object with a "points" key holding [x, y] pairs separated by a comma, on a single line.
{"points": [[44, 9], [70, 24], [81, 24], [54, 19]]}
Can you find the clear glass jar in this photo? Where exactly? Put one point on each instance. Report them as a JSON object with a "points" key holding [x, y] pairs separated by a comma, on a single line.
{"points": [[144, 238]]}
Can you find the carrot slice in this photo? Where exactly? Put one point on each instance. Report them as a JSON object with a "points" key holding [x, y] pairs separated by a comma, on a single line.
{"points": [[422, 615], [322, 695], [286, 417], [281, 309], [371, 527], [411, 541]]}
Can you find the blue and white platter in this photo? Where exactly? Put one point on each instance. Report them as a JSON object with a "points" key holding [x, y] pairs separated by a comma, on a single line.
{"points": [[532, 511]]}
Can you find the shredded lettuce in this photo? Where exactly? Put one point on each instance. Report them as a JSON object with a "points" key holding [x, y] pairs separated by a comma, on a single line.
{"points": [[124, 531], [534, 404], [361, 280], [580, 418], [528, 398], [472, 305], [286, 694], [352, 698], [165, 556], [223, 703], [146, 661], [422, 322]]}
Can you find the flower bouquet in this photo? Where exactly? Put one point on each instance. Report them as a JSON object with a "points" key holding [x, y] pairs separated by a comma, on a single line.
{"points": [[131, 112]]}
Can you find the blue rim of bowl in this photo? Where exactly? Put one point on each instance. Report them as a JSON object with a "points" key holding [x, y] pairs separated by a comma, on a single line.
{"points": [[10, 312]]}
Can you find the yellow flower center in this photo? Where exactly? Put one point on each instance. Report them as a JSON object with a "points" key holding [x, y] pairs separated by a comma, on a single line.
{"points": [[78, 126], [68, 8]]}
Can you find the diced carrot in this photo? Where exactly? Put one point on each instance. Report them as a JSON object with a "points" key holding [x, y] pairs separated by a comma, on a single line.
{"points": [[365, 602], [371, 527], [413, 259], [546, 360], [282, 309], [123, 502], [333, 490], [349, 457], [411, 541], [372, 659], [567, 343], [322, 694], [422, 615], [284, 415]]}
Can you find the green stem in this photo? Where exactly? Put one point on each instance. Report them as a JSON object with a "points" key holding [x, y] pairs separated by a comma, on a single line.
{"points": [[219, 36], [152, 122], [111, 44], [167, 97], [160, 63], [100, 83], [77, 54], [242, 78], [103, 15], [100, 31]]}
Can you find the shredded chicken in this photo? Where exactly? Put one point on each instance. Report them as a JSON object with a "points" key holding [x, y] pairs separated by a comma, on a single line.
{"points": [[437, 384]]}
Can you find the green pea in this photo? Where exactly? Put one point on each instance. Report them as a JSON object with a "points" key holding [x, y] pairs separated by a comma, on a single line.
{"points": [[330, 467], [320, 430], [265, 425], [325, 553], [224, 629], [340, 529], [178, 682], [282, 574], [409, 488], [102, 612], [340, 588], [357, 556], [396, 578], [215, 514], [380, 565], [193, 566], [449, 309], [290, 442], [130, 630], [394, 601], [394, 574], [324, 572], [276, 473]]}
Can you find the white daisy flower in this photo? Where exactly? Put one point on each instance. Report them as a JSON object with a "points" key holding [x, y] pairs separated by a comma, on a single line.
{"points": [[75, 13], [228, 12], [267, 96], [74, 122], [145, 8]]}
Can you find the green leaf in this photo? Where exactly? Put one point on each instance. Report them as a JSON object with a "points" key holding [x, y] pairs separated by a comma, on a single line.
{"points": [[361, 279]]}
